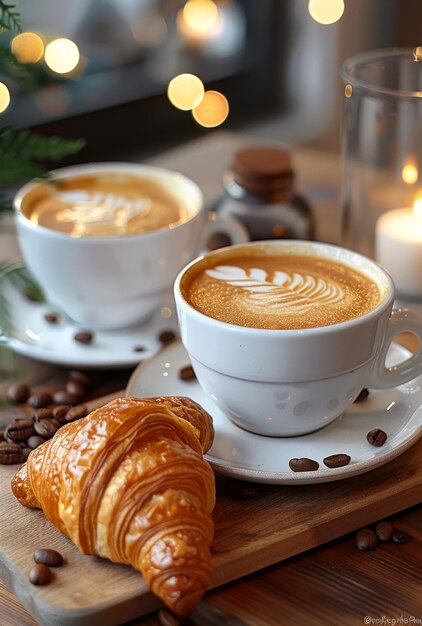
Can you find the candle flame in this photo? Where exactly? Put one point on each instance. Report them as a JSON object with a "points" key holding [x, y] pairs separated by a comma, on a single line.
{"points": [[410, 173], [417, 207]]}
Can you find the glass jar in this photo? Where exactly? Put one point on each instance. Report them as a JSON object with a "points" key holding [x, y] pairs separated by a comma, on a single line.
{"points": [[260, 193], [382, 190]]}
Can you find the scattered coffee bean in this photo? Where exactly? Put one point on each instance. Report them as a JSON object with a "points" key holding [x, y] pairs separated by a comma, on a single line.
{"points": [[167, 336], [59, 412], [35, 441], [362, 396], [47, 556], [1, 435], [366, 539], [303, 465], [187, 373], [76, 413], [167, 618], [7, 438], [241, 490], [10, 453], [384, 531], [19, 430], [64, 397], [26, 452], [45, 428], [84, 337], [218, 240], [42, 414], [139, 349], [80, 377], [376, 437], [336, 460], [40, 399], [18, 393], [40, 575], [400, 536], [75, 389], [51, 318]]}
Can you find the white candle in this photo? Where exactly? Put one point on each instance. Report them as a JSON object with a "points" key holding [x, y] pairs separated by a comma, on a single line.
{"points": [[398, 247]]}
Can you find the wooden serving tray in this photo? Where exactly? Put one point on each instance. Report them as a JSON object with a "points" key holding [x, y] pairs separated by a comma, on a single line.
{"points": [[276, 523]]}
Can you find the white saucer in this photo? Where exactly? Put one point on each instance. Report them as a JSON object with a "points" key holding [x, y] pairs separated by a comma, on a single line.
{"points": [[27, 332], [243, 455]]}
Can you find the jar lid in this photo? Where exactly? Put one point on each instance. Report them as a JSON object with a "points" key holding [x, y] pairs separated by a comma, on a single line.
{"points": [[262, 168]]}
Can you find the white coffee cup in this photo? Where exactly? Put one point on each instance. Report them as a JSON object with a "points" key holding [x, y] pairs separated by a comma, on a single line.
{"points": [[116, 281], [292, 382]]}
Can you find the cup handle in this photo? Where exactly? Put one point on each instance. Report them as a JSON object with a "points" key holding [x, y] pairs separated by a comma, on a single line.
{"points": [[382, 377], [230, 226]]}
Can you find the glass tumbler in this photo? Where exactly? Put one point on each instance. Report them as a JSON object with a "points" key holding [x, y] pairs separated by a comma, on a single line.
{"points": [[382, 179]]}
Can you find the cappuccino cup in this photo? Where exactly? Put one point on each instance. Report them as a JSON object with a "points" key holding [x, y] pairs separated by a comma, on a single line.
{"points": [[105, 241], [284, 335]]}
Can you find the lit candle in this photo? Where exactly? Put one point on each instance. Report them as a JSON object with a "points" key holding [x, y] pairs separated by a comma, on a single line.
{"points": [[398, 247]]}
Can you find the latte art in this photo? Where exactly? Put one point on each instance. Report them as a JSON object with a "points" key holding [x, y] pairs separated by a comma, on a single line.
{"points": [[279, 291], [293, 293]]}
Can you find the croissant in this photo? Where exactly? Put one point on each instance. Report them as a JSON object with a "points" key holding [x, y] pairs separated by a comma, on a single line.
{"points": [[129, 483]]}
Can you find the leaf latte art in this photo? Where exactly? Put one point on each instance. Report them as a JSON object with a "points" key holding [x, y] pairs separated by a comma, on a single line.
{"points": [[280, 292], [293, 292]]}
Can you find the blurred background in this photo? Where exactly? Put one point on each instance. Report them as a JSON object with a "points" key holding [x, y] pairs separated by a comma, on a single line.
{"points": [[276, 65]]}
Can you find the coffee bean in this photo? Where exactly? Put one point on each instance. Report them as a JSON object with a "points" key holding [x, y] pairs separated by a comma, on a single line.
{"points": [[80, 377], [40, 575], [167, 618], [35, 441], [40, 399], [59, 412], [18, 393], [218, 240], [1, 435], [10, 453], [139, 349], [336, 460], [45, 428], [75, 389], [167, 336], [366, 539], [84, 336], [19, 430], [51, 318], [76, 413], [47, 556], [64, 397], [241, 490], [384, 531], [376, 437], [26, 452], [303, 465], [362, 396], [187, 373], [42, 414], [400, 536]]}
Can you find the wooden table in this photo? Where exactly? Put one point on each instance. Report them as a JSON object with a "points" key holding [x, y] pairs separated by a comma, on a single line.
{"points": [[331, 585]]}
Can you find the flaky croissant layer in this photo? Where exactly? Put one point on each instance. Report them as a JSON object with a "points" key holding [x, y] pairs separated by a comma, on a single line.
{"points": [[129, 483]]}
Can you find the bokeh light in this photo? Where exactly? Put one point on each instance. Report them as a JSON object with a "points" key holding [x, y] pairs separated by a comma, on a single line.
{"points": [[200, 16], [27, 47], [348, 91], [185, 91], [326, 11], [4, 97], [150, 30], [62, 55], [417, 207], [410, 173], [417, 54], [212, 111]]}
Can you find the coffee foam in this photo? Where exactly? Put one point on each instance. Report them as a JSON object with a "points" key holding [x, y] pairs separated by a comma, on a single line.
{"points": [[105, 204], [281, 291]]}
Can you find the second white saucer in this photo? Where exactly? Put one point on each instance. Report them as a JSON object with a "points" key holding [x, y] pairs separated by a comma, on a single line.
{"points": [[241, 454]]}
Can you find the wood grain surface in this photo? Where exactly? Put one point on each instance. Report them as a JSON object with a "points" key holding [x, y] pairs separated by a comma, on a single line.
{"points": [[277, 523]]}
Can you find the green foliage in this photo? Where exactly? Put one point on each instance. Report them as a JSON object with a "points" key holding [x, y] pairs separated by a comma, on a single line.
{"points": [[11, 68], [9, 18]]}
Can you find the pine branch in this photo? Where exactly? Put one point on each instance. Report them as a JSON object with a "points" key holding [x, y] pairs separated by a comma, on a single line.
{"points": [[11, 68], [34, 147], [9, 18]]}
